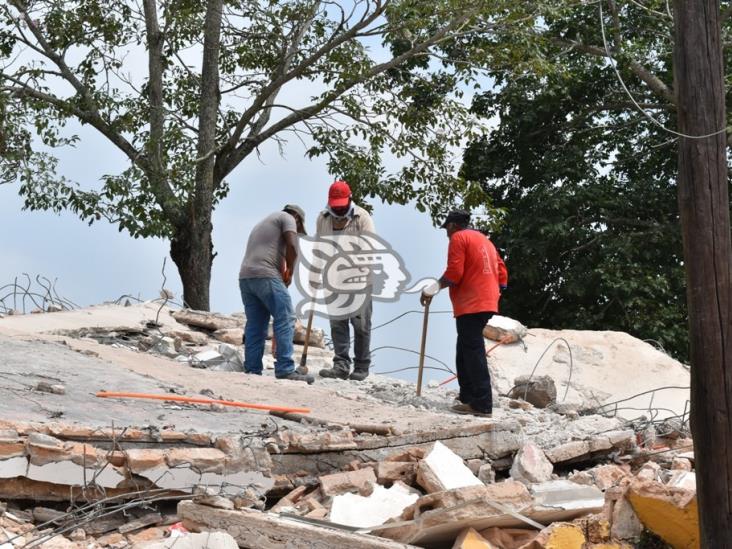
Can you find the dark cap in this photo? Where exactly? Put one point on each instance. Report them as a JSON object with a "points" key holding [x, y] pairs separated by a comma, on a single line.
{"points": [[294, 208], [461, 217]]}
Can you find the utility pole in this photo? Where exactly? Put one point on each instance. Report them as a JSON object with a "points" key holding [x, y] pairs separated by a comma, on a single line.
{"points": [[705, 221]]}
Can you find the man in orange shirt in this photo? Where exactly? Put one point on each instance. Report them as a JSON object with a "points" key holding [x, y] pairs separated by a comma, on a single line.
{"points": [[475, 275]]}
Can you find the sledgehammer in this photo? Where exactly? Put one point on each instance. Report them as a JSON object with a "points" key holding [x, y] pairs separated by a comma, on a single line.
{"points": [[304, 358]]}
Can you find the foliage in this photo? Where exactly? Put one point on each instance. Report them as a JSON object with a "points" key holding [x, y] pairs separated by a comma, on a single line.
{"points": [[83, 62], [587, 182]]}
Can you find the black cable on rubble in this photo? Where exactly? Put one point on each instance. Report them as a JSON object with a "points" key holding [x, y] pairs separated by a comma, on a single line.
{"points": [[396, 348], [412, 311], [413, 368]]}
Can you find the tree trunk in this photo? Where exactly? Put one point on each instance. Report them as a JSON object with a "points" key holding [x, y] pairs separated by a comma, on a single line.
{"points": [[192, 248], [192, 251], [704, 208]]}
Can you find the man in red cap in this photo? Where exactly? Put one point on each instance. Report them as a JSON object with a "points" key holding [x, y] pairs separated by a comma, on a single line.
{"points": [[475, 275], [343, 216]]}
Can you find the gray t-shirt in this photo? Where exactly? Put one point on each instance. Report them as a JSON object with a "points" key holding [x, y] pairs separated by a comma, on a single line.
{"points": [[266, 247]]}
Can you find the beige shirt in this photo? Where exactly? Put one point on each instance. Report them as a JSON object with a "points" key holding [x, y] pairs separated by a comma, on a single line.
{"points": [[360, 222]]}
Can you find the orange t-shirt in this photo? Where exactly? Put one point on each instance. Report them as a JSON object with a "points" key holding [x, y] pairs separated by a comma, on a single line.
{"points": [[474, 273]]}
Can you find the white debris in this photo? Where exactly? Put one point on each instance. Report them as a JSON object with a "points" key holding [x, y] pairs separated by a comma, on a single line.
{"points": [[380, 506], [448, 468]]}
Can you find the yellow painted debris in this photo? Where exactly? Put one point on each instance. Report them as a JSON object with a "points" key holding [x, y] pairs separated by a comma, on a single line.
{"points": [[670, 513], [560, 535], [470, 539]]}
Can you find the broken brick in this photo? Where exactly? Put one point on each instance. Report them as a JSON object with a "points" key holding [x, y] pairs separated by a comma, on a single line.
{"points": [[44, 449], [11, 450], [351, 481], [141, 459], [391, 471], [200, 459]]}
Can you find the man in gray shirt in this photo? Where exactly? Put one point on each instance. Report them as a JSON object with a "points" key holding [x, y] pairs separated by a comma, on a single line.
{"points": [[265, 274]]}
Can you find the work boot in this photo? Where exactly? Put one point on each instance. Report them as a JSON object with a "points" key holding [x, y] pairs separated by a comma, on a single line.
{"points": [[468, 409], [296, 376], [334, 373], [359, 374]]}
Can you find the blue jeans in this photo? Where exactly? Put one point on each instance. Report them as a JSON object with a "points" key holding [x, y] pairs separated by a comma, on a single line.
{"points": [[262, 298]]}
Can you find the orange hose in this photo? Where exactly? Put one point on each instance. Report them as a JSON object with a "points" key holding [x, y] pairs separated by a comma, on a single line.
{"points": [[197, 400]]}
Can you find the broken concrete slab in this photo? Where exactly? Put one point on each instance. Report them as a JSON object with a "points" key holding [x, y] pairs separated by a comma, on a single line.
{"points": [[439, 517], [381, 505], [600, 445], [624, 522], [207, 320], [442, 469], [531, 465], [669, 512], [202, 540], [267, 531], [568, 499]]}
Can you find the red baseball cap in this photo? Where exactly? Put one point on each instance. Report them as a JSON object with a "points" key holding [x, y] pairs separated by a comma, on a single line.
{"points": [[339, 194]]}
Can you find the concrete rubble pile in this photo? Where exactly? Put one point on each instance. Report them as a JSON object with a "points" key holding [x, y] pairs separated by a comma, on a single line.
{"points": [[200, 339]]}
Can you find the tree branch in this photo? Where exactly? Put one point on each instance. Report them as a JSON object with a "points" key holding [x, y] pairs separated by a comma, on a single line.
{"points": [[156, 157], [651, 80], [285, 74], [248, 145]]}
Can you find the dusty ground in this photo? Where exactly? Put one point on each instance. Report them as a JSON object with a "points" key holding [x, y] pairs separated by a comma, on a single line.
{"points": [[30, 352]]}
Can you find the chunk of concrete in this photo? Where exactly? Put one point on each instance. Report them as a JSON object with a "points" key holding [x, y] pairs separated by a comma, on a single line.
{"points": [[200, 459], [531, 465], [486, 474], [44, 449], [232, 336], [669, 512], [13, 467], [683, 479], [602, 476], [391, 471], [349, 481], [166, 346], [442, 469], [439, 517], [202, 540], [205, 319], [625, 524], [207, 359], [142, 459], [269, 531], [560, 535], [539, 390], [365, 512], [470, 539], [46, 387], [567, 495]]}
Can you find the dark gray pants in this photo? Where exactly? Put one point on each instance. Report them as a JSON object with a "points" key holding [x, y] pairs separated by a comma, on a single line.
{"points": [[341, 334], [472, 366]]}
